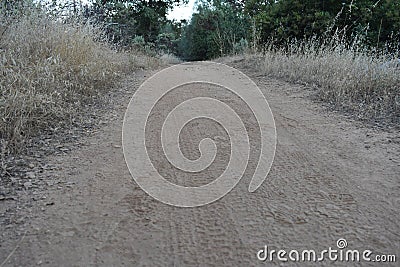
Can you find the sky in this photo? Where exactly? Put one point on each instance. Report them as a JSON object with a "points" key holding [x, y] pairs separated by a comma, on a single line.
{"points": [[182, 12]]}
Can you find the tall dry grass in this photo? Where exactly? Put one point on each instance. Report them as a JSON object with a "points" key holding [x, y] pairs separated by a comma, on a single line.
{"points": [[49, 71], [349, 76]]}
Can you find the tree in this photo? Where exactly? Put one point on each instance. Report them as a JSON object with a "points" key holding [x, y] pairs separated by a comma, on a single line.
{"points": [[215, 29], [127, 19], [283, 20]]}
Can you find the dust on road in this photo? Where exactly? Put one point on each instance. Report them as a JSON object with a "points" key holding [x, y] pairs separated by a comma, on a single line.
{"points": [[332, 178]]}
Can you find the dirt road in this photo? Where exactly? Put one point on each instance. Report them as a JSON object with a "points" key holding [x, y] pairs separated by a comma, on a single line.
{"points": [[332, 178]]}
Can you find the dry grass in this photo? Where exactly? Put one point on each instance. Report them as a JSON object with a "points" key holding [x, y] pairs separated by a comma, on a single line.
{"points": [[362, 82], [170, 59], [50, 70]]}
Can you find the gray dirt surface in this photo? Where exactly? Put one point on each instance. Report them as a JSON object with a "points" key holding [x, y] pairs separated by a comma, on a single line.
{"points": [[332, 178]]}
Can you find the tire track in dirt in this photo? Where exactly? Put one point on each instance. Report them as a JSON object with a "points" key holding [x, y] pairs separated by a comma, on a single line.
{"points": [[324, 185]]}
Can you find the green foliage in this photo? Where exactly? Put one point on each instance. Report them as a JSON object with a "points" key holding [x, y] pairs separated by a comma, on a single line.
{"points": [[222, 27], [138, 42], [214, 30], [218, 25], [127, 19], [15, 8], [241, 46], [282, 20], [166, 42]]}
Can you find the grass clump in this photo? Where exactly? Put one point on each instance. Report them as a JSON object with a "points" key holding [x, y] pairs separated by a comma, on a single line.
{"points": [[170, 59], [49, 70], [348, 76]]}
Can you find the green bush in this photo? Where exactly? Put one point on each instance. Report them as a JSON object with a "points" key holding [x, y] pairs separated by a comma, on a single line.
{"points": [[216, 29]]}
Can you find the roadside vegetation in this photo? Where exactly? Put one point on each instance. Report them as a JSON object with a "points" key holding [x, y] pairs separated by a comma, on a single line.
{"points": [[350, 77], [348, 50], [51, 70], [57, 57]]}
